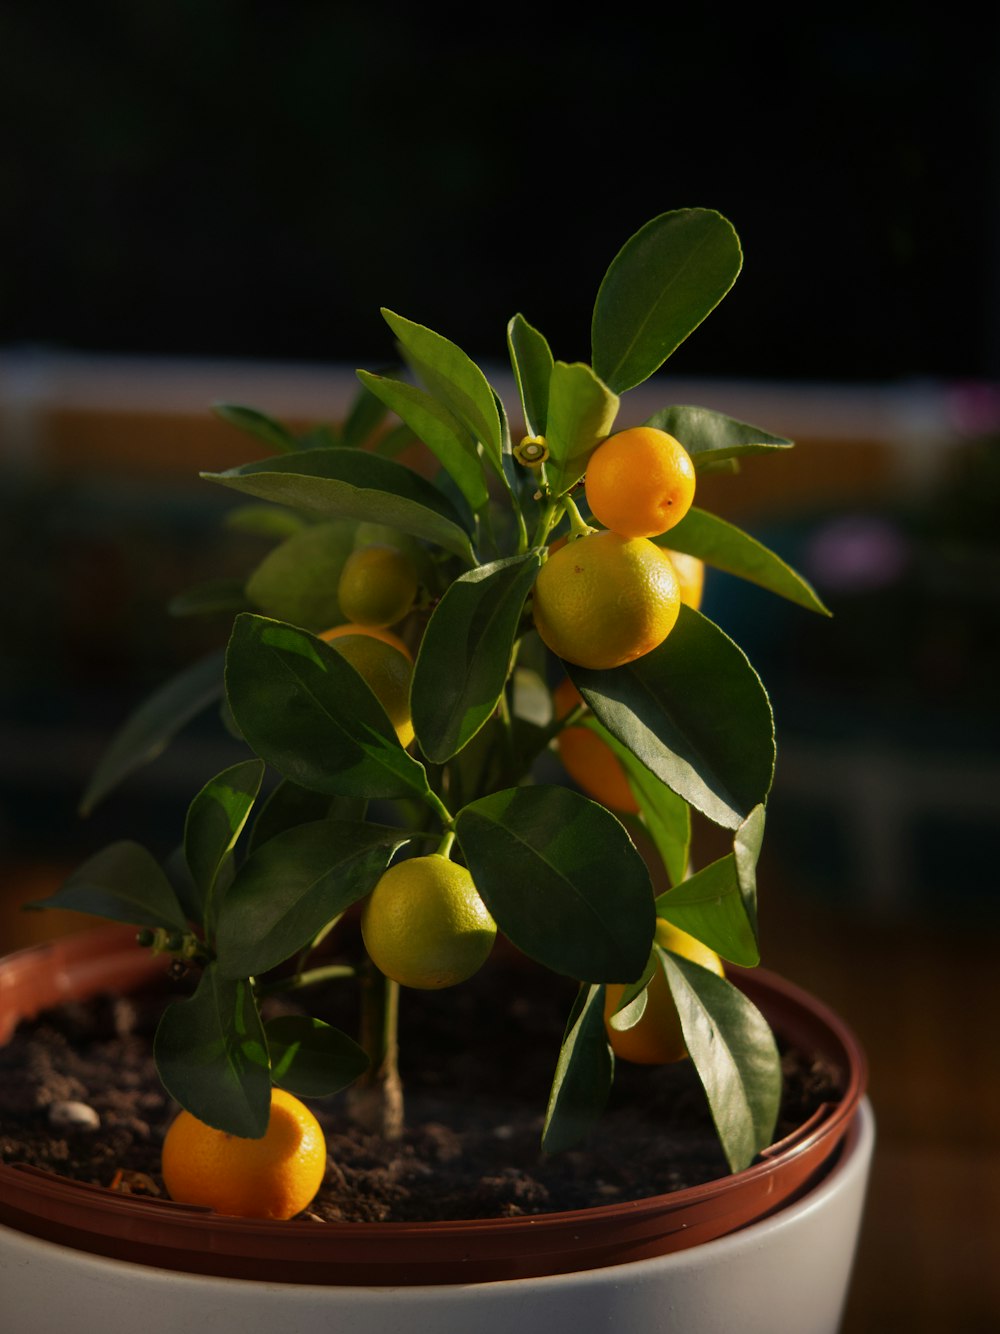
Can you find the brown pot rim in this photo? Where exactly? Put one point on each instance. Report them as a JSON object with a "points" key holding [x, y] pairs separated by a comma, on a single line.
{"points": [[184, 1237]]}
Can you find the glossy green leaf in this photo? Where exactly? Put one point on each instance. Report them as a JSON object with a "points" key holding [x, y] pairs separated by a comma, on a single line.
{"points": [[304, 710], [354, 484], [660, 286], [531, 361], [454, 379], [710, 436], [746, 851], [153, 725], [211, 1054], [311, 1059], [215, 595], [728, 548], [215, 820], [562, 879], [443, 434], [633, 1000], [709, 905], [581, 413], [465, 654], [258, 424], [293, 885], [735, 1055], [583, 1075], [123, 882], [297, 581], [365, 415], [695, 713], [665, 815], [290, 805]]}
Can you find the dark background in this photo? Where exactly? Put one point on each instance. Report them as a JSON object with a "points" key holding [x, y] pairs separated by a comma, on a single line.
{"points": [[230, 178]]}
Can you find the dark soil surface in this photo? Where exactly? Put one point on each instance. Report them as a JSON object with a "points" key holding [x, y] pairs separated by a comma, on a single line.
{"points": [[471, 1155]]}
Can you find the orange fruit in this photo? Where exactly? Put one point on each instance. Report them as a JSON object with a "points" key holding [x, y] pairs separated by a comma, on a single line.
{"points": [[657, 1038], [588, 760], [273, 1177], [690, 571], [386, 669], [425, 925], [604, 600], [377, 585], [640, 482]]}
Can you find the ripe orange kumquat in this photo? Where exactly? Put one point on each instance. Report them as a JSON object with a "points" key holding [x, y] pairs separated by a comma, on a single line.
{"points": [[588, 760], [273, 1177], [657, 1038], [640, 482]]}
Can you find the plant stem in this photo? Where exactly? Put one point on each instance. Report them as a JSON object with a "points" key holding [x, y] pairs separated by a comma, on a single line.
{"points": [[307, 979], [375, 1101]]}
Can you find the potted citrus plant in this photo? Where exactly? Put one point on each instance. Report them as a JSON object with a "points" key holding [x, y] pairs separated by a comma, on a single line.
{"points": [[400, 669]]}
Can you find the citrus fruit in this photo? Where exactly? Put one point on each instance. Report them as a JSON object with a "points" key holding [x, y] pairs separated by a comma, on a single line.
{"points": [[604, 600], [377, 585], [273, 1177], [640, 482], [425, 925], [657, 1038], [588, 760], [386, 669], [690, 571], [373, 631]]}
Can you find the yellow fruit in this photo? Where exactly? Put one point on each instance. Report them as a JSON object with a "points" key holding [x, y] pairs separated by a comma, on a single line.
{"points": [[374, 631], [657, 1038], [387, 670], [425, 925], [588, 760], [640, 482], [273, 1177], [377, 585], [690, 573], [605, 600]]}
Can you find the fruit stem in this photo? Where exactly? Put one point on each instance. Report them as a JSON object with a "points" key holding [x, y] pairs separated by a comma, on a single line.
{"points": [[578, 527], [444, 847]]}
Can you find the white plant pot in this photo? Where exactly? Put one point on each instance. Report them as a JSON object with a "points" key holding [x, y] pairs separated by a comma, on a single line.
{"points": [[788, 1274]]}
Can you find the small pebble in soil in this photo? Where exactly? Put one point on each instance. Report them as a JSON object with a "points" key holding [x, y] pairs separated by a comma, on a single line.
{"points": [[78, 1117]]}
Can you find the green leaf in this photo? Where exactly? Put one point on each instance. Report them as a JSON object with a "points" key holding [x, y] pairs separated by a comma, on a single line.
{"points": [[666, 816], [442, 433], [215, 820], [155, 723], [293, 885], [454, 379], [355, 484], [462, 666], [364, 417], [209, 598], [695, 713], [581, 413], [311, 1059], [122, 882], [735, 1055], [304, 709], [290, 805], [562, 880], [746, 851], [728, 548], [297, 581], [211, 1054], [712, 436], [257, 424], [660, 286], [583, 1074], [709, 905], [531, 360]]}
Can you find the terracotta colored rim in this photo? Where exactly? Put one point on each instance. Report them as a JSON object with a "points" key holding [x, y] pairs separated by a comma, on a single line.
{"points": [[183, 1237]]}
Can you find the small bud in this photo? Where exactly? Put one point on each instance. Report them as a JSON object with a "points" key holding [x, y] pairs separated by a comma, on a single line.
{"points": [[145, 937], [532, 451]]}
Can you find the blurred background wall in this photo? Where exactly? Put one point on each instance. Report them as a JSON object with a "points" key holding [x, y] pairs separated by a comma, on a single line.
{"points": [[203, 201]]}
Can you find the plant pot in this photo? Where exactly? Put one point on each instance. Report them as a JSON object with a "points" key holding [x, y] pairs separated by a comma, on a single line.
{"points": [[789, 1221]]}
